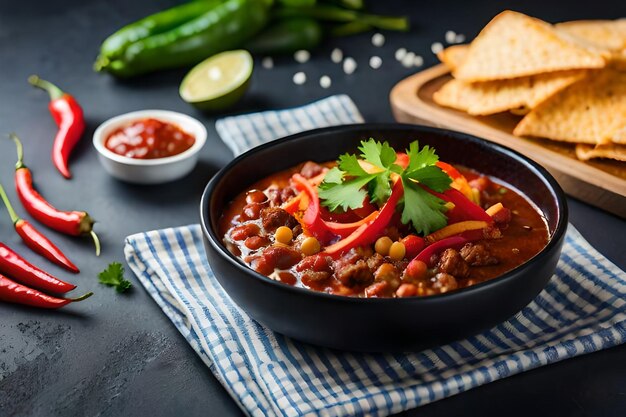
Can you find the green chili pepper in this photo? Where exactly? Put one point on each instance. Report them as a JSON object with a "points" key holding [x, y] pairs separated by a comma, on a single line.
{"points": [[350, 4], [287, 36], [114, 45], [226, 26], [297, 3], [337, 14], [350, 28]]}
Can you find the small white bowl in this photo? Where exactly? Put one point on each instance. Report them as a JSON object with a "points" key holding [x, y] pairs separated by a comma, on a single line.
{"points": [[150, 171]]}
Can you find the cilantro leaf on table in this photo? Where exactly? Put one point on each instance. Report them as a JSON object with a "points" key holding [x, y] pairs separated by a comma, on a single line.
{"points": [[113, 276]]}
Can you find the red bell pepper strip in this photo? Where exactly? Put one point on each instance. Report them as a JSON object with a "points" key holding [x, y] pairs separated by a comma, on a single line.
{"points": [[73, 223], [12, 292], [312, 220], [35, 240], [68, 115], [452, 172], [368, 233], [345, 229], [464, 208], [23, 271], [430, 250]]}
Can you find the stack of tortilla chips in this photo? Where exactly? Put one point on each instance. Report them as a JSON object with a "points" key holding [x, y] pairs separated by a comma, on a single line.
{"points": [[568, 80]]}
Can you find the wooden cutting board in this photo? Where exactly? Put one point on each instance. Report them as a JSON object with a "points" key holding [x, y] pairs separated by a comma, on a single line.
{"points": [[601, 183]]}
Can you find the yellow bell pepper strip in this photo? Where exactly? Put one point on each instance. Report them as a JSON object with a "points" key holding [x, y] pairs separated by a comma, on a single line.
{"points": [[456, 229]]}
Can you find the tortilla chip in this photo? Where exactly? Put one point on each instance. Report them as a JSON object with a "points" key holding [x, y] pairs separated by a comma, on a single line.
{"points": [[515, 45], [610, 151], [620, 136], [492, 97], [609, 34], [592, 111], [453, 55], [601, 34]]}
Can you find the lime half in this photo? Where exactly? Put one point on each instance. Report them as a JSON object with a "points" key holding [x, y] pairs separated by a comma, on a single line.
{"points": [[218, 82]]}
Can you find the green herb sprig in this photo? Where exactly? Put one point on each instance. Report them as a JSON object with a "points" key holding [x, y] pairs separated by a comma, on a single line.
{"points": [[347, 185], [113, 276]]}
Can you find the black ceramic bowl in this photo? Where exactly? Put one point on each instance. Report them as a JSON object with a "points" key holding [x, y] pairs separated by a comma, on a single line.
{"points": [[382, 324]]}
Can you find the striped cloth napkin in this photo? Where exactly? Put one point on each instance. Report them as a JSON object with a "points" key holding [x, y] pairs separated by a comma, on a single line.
{"points": [[582, 310]]}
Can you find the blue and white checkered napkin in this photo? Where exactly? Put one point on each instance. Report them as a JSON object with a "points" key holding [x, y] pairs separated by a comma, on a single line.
{"points": [[582, 310], [241, 133]]}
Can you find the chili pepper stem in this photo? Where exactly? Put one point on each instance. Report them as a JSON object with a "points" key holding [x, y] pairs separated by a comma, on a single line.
{"points": [[14, 217], [20, 151], [96, 241], [54, 91], [81, 298]]}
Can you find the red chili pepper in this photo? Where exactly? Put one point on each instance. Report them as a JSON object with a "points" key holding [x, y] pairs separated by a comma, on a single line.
{"points": [[20, 269], [74, 223], [68, 116], [12, 292], [368, 233], [35, 240]]}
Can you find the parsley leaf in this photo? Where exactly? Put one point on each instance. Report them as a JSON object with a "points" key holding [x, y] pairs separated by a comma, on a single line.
{"points": [[113, 276], [420, 158], [347, 195], [430, 176], [380, 154], [347, 185], [422, 209], [349, 164]]}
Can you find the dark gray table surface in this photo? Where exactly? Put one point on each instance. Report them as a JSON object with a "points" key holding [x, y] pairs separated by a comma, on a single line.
{"points": [[118, 355]]}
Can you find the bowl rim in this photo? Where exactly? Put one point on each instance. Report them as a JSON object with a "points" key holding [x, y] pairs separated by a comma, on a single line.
{"points": [[185, 122], [553, 240]]}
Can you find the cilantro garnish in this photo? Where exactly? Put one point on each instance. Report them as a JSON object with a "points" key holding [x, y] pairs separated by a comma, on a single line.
{"points": [[347, 185], [113, 276]]}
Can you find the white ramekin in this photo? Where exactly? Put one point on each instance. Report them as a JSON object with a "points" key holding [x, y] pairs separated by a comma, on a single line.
{"points": [[150, 171]]}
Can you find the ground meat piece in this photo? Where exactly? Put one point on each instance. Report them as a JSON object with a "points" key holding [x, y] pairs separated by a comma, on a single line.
{"points": [[278, 196], [311, 278], [452, 263], [273, 217], [281, 257], [374, 261], [311, 169], [273, 194], [378, 289], [445, 282], [355, 274], [287, 194], [388, 272], [476, 254]]}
